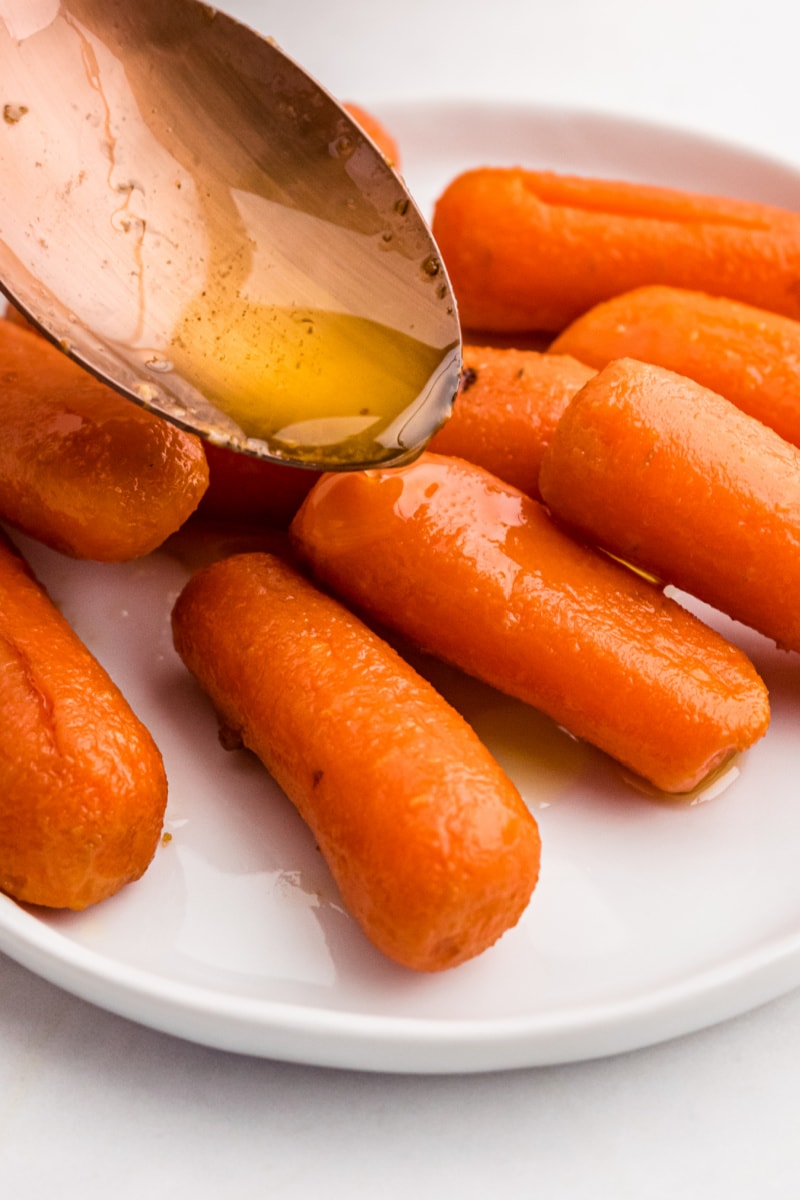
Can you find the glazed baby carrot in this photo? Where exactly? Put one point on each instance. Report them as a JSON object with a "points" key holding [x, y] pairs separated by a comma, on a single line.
{"points": [[534, 250], [748, 355], [673, 478], [508, 405], [431, 845], [476, 573], [82, 469], [82, 784]]}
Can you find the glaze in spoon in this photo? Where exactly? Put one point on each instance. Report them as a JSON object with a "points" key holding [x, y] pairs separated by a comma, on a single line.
{"points": [[191, 217]]}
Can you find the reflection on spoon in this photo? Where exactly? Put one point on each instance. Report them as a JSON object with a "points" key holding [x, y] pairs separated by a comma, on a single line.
{"points": [[192, 218]]}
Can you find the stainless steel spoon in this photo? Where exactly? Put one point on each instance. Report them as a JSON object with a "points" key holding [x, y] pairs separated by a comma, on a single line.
{"points": [[196, 221]]}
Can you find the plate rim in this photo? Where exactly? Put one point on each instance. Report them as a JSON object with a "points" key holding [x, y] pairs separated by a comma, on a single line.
{"points": [[315, 1035]]}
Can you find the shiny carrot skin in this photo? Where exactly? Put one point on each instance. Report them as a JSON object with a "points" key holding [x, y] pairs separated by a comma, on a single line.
{"points": [[82, 784], [533, 249], [675, 479], [748, 355], [82, 469], [508, 405], [477, 574], [431, 845]]}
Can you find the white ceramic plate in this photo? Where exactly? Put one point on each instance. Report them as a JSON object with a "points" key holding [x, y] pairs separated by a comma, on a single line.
{"points": [[651, 919]]}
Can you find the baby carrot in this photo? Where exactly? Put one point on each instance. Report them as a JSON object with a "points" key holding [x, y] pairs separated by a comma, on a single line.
{"points": [[534, 250], [82, 469], [508, 405], [249, 490], [431, 845], [476, 573], [673, 478], [748, 355], [82, 784]]}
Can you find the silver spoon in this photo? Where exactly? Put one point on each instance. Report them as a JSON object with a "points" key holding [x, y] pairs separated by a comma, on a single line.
{"points": [[197, 222]]}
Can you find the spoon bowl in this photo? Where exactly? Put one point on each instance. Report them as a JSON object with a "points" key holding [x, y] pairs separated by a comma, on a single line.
{"points": [[196, 221]]}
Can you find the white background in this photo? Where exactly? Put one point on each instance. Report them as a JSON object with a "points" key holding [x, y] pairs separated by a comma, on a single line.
{"points": [[91, 1105]]}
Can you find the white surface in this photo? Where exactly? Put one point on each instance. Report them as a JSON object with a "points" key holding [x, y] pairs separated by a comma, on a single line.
{"points": [[90, 1103], [649, 919]]}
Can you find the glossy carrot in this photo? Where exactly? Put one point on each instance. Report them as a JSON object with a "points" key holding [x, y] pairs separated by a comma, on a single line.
{"points": [[82, 469], [748, 355], [534, 250], [431, 845], [377, 131], [675, 479], [476, 573], [82, 784], [508, 404], [241, 489]]}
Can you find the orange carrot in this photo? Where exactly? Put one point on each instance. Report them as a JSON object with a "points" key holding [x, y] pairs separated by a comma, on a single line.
{"points": [[748, 355], [241, 488], [431, 845], [675, 479], [534, 250], [251, 490], [376, 130], [82, 784], [508, 405], [477, 574], [82, 469]]}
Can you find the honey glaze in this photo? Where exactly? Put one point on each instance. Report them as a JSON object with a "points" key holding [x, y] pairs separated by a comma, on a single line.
{"points": [[719, 778], [317, 387]]}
